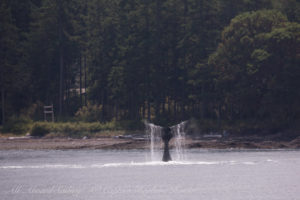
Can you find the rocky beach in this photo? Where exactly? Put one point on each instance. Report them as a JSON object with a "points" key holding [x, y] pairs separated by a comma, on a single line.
{"points": [[129, 142]]}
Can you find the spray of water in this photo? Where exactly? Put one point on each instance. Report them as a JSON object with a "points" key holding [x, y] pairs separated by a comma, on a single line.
{"points": [[179, 137], [155, 132]]}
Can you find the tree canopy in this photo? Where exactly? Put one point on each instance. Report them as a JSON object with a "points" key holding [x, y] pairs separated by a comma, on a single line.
{"points": [[257, 64], [163, 60]]}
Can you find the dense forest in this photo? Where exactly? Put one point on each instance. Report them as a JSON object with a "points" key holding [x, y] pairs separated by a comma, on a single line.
{"points": [[161, 60]]}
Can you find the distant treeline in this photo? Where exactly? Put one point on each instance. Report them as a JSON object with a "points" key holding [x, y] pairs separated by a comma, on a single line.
{"points": [[163, 60]]}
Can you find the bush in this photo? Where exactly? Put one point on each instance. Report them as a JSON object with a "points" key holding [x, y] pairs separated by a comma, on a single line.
{"points": [[17, 125], [34, 111], [40, 129], [89, 113], [79, 129], [130, 125]]}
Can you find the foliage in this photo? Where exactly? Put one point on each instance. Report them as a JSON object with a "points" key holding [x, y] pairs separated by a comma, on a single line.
{"points": [[164, 61], [40, 129], [80, 129], [89, 113], [256, 65], [17, 125], [73, 128], [130, 125], [290, 7]]}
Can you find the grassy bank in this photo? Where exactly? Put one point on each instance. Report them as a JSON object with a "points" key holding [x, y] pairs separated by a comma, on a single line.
{"points": [[74, 129], [246, 127], [77, 129], [69, 129]]}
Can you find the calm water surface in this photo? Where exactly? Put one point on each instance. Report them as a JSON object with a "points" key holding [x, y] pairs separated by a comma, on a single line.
{"points": [[98, 174]]}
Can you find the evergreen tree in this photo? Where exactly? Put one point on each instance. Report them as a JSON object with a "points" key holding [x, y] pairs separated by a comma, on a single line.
{"points": [[51, 53], [252, 60], [10, 76]]}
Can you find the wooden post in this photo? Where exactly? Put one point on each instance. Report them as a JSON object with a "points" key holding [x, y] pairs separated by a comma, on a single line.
{"points": [[48, 110], [52, 113]]}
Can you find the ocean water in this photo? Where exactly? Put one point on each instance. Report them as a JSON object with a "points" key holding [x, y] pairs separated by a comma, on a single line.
{"points": [[99, 174]]}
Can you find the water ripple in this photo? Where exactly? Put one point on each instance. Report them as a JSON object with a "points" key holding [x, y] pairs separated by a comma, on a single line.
{"points": [[129, 164]]}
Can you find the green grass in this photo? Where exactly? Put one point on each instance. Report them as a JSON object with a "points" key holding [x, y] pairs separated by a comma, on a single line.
{"points": [[17, 125], [69, 129], [79, 129]]}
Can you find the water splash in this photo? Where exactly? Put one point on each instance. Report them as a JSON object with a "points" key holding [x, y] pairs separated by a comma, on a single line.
{"points": [[179, 137], [130, 164], [154, 133]]}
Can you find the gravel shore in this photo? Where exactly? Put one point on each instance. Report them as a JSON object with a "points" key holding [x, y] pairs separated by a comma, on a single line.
{"points": [[20, 143]]}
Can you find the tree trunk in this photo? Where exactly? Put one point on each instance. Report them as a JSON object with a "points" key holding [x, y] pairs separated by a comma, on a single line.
{"points": [[3, 105], [157, 108], [164, 105], [144, 110], [149, 110], [61, 73], [169, 106], [148, 61], [80, 80], [103, 107], [117, 112], [202, 103], [175, 109], [66, 90], [85, 97]]}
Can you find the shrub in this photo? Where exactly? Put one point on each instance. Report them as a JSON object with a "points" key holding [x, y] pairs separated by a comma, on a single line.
{"points": [[34, 111], [17, 125], [79, 129], [40, 129], [89, 113], [130, 125]]}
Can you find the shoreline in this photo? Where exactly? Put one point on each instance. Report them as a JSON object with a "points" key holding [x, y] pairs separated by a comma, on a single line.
{"points": [[111, 143]]}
